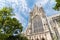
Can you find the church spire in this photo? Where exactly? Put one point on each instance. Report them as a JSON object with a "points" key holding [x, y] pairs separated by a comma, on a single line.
{"points": [[38, 9]]}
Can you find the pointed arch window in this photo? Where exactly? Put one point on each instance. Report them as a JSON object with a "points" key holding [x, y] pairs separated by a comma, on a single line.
{"points": [[36, 39], [43, 38], [37, 24]]}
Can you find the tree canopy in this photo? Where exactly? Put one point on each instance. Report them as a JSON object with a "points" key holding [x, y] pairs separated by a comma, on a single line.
{"points": [[8, 24], [57, 6], [18, 37]]}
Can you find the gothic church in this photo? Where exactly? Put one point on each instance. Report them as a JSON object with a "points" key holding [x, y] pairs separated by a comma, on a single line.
{"points": [[41, 27]]}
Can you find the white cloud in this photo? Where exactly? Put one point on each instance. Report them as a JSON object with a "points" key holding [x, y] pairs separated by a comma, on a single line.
{"points": [[42, 2], [21, 19], [52, 1], [2, 3], [23, 7]]}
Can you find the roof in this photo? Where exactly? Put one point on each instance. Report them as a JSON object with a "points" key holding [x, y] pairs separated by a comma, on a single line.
{"points": [[58, 14]]}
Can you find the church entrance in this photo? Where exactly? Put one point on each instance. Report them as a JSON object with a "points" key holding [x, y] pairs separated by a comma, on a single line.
{"points": [[43, 38]]}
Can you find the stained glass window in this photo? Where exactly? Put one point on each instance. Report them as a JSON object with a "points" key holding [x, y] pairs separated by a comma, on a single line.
{"points": [[37, 24]]}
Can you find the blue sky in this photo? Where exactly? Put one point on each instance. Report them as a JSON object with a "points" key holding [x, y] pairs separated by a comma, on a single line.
{"points": [[23, 7]]}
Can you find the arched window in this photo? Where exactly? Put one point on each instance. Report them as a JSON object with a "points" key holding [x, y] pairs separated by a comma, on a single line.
{"points": [[37, 24], [36, 39], [43, 38], [32, 39]]}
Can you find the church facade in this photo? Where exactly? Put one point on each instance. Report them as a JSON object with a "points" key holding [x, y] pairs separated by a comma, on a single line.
{"points": [[41, 27]]}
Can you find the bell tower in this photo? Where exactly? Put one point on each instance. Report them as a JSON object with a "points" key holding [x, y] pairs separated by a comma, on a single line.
{"points": [[38, 25]]}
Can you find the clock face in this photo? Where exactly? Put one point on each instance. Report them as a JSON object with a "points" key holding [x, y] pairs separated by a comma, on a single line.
{"points": [[37, 24]]}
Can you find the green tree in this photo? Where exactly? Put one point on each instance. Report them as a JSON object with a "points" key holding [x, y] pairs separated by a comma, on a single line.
{"points": [[57, 6], [8, 24], [24, 38], [18, 37]]}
